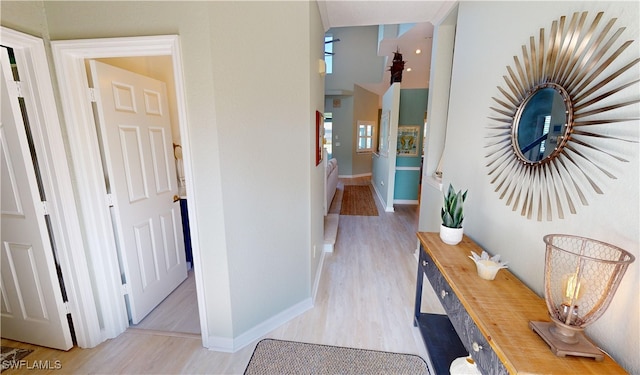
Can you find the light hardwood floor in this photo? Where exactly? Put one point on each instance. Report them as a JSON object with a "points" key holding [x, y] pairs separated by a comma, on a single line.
{"points": [[365, 300], [177, 313]]}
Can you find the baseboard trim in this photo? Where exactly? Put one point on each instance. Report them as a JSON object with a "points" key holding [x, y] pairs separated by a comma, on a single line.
{"points": [[220, 344], [407, 168], [232, 345], [316, 282], [375, 189], [406, 201], [355, 175]]}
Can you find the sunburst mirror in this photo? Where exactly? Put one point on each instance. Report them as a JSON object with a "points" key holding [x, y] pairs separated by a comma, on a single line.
{"points": [[553, 120]]}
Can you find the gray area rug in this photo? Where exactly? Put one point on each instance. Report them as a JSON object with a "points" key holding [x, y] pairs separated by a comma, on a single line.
{"points": [[287, 357], [9, 355]]}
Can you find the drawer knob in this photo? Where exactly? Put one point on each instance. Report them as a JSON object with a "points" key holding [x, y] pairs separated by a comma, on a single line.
{"points": [[476, 347], [424, 263], [443, 293]]}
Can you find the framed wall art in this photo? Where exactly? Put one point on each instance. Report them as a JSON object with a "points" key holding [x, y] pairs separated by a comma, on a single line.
{"points": [[319, 136], [408, 140]]}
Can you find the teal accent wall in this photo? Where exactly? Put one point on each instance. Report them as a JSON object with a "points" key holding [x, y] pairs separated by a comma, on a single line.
{"points": [[407, 185], [413, 104]]}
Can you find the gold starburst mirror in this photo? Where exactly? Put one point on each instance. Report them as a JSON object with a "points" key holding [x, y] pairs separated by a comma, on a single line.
{"points": [[552, 125]]}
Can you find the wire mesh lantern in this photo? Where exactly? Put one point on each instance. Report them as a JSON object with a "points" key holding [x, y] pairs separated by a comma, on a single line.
{"points": [[581, 278]]}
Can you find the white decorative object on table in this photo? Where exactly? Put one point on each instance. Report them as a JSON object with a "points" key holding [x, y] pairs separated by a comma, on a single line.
{"points": [[464, 366], [487, 266]]}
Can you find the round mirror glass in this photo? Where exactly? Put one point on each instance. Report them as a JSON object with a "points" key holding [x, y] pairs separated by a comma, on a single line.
{"points": [[541, 124]]}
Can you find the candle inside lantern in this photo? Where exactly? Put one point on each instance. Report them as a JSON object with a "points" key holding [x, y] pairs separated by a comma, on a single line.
{"points": [[572, 287]]}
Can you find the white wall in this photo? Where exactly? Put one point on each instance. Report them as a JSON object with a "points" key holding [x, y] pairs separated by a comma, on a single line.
{"points": [[263, 115], [318, 175], [355, 59], [384, 166], [437, 112], [488, 35], [342, 132], [355, 63], [251, 111]]}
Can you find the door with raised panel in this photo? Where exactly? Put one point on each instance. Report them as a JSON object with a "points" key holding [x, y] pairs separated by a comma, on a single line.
{"points": [[32, 306], [135, 132]]}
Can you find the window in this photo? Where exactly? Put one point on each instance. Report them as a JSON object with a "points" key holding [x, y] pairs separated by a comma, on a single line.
{"points": [[365, 136], [328, 53], [545, 131]]}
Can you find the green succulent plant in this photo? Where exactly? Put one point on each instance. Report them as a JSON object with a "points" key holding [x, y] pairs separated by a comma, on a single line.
{"points": [[451, 211]]}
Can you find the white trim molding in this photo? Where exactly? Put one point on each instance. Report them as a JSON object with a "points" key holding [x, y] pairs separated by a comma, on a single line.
{"points": [[69, 57], [316, 282], [355, 175], [379, 195], [407, 168], [406, 201], [228, 345]]}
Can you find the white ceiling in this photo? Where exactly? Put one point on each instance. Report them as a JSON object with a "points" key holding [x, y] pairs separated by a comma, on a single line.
{"points": [[424, 13], [339, 13]]}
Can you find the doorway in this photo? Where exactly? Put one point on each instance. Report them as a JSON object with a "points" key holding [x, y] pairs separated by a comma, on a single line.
{"points": [[132, 116], [70, 58]]}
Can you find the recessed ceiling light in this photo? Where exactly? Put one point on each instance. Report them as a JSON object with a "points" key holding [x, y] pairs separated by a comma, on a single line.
{"points": [[408, 69], [418, 51]]}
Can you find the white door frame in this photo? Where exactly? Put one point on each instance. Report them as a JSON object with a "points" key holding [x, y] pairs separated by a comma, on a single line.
{"points": [[36, 81], [69, 57]]}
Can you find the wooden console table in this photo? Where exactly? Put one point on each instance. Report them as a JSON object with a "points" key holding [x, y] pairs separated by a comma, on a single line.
{"points": [[489, 318]]}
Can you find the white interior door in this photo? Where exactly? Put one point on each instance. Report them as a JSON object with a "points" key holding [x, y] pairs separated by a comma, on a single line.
{"points": [[137, 145], [31, 304]]}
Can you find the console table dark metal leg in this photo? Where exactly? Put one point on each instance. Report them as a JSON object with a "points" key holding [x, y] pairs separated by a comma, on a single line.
{"points": [[442, 342]]}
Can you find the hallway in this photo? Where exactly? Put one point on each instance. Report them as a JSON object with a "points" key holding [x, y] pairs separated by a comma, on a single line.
{"points": [[365, 300]]}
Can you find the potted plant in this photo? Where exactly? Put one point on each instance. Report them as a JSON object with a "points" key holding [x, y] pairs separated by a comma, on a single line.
{"points": [[452, 216]]}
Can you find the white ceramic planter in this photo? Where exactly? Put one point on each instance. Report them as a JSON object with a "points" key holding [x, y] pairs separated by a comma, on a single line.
{"points": [[450, 236]]}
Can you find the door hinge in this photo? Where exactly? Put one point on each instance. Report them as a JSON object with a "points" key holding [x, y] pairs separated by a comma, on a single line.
{"points": [[18, 89], [45, 208], [125, 289], [92, 94], [109, 200], [66, 308]]}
